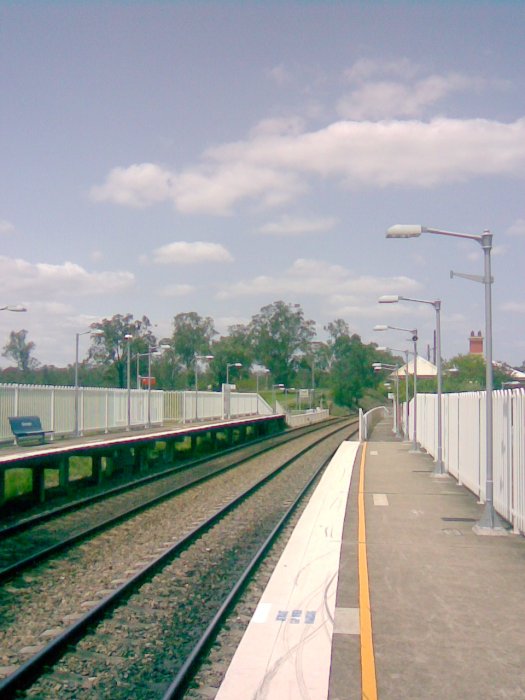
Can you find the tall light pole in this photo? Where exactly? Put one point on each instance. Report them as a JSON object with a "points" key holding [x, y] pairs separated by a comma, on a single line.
{"points": [[228, 365], [128, 338], [152, 350], [439, 469], [489, 523], [378, 366], [406, 352], [413, 333], [197, 359], [265, 372], [91, 331]]}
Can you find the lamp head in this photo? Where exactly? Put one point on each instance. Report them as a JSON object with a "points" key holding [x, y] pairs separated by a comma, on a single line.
{"points": [[389, 299], [380, 328], [404, 231]]}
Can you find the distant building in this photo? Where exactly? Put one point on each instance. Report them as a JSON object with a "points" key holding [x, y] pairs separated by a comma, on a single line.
{"points": [[476, 343]]}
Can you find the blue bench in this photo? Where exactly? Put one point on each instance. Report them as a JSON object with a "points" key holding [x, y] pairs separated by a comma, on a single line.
{"points": [[28, 427]]}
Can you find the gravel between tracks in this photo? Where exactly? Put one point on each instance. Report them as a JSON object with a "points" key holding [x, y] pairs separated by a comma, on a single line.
{"points": [[36, 607]]}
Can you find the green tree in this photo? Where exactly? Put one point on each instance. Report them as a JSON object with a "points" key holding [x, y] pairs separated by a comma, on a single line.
{"points": [[19, 349], [192, 334], [280, 335], [110, 347], [234, 347], [352, 372], [469, 374]]}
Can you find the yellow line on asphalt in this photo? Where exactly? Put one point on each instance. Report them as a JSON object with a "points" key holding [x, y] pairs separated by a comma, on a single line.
{"points": [[368, 666]]}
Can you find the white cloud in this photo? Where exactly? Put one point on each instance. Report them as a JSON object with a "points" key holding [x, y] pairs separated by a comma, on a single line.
{"points": [[319, 279], [135, 186], [387, 99], [6, 227], [274, 168], [517, 228], [176, 290], [183, 253], [40, 280], [295, 226]]}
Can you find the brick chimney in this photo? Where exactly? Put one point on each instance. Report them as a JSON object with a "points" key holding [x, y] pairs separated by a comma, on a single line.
{"points": [[476, 343]]}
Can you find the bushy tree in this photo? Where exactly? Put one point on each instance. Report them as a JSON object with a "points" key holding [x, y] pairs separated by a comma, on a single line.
{"points": [[192, 334], [19, 349], [110, 347], [280, 335], [234, 347]]}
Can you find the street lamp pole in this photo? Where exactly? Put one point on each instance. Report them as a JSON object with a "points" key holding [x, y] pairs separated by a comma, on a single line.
{"points": [[439, 469], [128, 338], [92, 331], [489, 523], [378, 366], [197, 358], [413, 332]]}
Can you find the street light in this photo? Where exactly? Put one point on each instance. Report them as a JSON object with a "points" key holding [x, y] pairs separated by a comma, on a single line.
{"points": [[413, 333], [128, 337], [259, 373], [197, 358], [228, 365], [378, 366], [393, 299], [152, 350], [489, 523], [406, 352], [91, 331]]}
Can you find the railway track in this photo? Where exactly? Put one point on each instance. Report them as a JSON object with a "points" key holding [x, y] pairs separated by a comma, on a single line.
{"points": [[159, 578], [30, 540]]}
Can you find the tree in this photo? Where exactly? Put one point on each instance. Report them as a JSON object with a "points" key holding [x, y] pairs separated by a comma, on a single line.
{"points": [[352, 371], [19, 350], [192, 334], [110, 348], [470, 374], [234, 347], [280, 334]]}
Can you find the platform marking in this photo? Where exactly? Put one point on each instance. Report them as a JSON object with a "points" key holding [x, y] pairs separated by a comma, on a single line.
{"points": [[374, 453], [380, 499], [368, 667], [297, 608], [346, 621]]}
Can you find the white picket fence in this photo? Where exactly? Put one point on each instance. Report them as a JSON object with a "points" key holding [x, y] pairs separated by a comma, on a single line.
{"points": [[102, 410], [464, 445]]}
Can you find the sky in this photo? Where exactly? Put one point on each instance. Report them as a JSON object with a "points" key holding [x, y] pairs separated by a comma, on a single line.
{"points": [[167, 157]]}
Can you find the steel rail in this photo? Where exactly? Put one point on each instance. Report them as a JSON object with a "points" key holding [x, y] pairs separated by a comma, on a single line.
{"points": [[33, 667], [39, 518], [42, 554]]}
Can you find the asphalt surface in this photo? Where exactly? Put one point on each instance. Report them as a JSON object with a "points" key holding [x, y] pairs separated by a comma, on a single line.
{"points": [[447, 605]]}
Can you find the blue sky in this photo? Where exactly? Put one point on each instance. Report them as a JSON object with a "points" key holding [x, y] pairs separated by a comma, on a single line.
{"points": [[162, 157]]}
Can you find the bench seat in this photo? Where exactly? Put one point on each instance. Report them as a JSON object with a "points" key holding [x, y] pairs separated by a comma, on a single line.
{"points": [[28, 427]]}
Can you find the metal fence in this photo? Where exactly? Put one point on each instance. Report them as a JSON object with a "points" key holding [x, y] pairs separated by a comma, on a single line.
{"points": [[464, 446], [102, 410]]}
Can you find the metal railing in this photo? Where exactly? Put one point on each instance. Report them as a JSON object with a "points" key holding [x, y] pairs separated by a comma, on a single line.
{"points": [[102, 410], [464, 444]]}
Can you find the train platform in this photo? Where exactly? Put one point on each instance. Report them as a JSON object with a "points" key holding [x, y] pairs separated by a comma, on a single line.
{"points": [[385, 591]]}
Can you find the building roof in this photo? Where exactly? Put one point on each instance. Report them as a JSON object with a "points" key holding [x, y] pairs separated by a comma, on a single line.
{"points": [[425, 369]]}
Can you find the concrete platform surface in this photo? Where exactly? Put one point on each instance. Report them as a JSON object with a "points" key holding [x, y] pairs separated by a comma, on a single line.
{"points": [[424, 608], [447, 605]]}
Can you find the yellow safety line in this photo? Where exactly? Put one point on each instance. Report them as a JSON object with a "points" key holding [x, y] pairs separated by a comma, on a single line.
{"points": [[368, 666]]}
